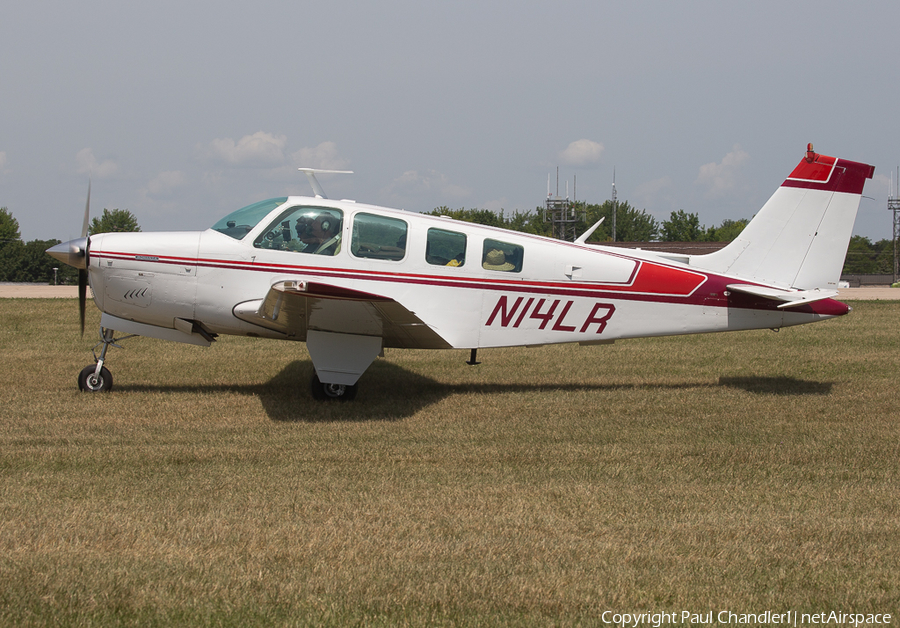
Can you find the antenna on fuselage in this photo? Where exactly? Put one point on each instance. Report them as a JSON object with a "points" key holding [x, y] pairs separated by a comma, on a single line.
{"points": [[311, 175], [587, 234]]}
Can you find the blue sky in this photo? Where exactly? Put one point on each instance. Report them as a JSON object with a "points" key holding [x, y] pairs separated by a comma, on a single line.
{"points": [[184, 111]]}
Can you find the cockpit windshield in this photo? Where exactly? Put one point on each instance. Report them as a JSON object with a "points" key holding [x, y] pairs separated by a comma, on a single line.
{"points": [[240, 223]]}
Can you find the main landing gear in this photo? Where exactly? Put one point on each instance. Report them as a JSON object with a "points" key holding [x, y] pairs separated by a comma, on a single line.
{"points": [[337, 392], [96, 377]]}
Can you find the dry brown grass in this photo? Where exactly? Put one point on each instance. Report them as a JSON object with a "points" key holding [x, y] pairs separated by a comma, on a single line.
{"points": [[748, 471]]}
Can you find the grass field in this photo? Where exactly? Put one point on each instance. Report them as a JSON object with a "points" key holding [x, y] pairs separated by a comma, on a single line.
{"points": [[747, 472]]}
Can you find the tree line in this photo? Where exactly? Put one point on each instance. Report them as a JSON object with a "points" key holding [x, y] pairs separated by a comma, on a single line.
{"points": [[867, 258], [28, 262], [632, 224]]}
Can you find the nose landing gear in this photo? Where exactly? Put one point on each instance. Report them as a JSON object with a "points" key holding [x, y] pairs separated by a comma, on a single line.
{"points": [[96, 377], [92, 379]]}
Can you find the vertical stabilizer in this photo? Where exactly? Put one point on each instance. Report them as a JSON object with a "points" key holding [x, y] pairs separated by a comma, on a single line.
{"points": [[799, 238]]}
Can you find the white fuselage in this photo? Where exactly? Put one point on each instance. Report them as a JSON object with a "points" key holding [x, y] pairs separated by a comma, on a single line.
{"points": [[562, 292]]}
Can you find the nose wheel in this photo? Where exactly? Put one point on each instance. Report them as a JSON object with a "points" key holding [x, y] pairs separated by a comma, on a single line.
{"points": [[90, 380], [96, 377]]}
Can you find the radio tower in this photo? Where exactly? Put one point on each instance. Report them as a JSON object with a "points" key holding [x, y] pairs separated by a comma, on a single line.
{"points": [[614, 212], [561, 213], [894, 206]]}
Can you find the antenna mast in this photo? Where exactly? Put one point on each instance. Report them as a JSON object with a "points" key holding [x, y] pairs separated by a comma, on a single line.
{"points": [[561, 213], [614, 206], [894, 206]]}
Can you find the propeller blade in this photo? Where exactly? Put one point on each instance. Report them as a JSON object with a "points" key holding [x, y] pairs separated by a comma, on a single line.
{"points": [[75, 253], [82, 272], [82, 295], [87, 212]]}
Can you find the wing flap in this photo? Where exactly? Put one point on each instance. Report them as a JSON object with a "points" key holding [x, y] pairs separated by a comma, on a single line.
{"points": [[295, 306]]}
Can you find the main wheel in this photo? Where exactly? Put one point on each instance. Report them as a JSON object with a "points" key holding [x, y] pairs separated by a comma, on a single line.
{"points": [[339, 392], [89, 382]]}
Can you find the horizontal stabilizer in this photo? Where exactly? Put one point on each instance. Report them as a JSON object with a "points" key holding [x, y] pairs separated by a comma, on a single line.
{"points": [[788, 298]]}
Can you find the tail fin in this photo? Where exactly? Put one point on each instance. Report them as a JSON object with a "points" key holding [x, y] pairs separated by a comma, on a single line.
{"points": [[799, 238]]}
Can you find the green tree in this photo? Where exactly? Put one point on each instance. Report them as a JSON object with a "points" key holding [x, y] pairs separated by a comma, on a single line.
{"points": [[727, 231], [682, 227], [885, 258], [9, 227], [28, 262], [860, 256], [479, 216], [37, 267], [529, 222], [632, 224], [117, 220], [865, 258], [685, 227], [10, 256]]}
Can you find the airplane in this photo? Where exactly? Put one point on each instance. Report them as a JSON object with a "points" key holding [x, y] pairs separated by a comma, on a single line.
{"points": [[351, 279]]}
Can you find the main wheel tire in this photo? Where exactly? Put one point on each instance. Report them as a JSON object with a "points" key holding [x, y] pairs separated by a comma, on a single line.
{"points": [[328, 392], [88, 382]]}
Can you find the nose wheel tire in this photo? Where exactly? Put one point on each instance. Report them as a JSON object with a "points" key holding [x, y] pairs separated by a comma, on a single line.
{"points": [[337, 392], [90, 381]]}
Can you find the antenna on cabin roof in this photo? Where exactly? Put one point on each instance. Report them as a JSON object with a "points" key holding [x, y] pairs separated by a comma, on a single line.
{"points": [[311, 175]]}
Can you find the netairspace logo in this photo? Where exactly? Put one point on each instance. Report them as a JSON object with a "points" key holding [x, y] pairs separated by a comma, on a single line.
{"points": [[724, 618]]}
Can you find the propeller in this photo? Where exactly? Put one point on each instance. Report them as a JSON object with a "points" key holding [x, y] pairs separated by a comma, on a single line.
{"points": [[82, 271], [75, 253]]}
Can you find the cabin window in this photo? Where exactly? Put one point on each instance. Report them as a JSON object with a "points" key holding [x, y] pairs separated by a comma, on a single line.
{"points": [[378, 237], [502, 256], [445, 248], [240, 223], [304, 229]]}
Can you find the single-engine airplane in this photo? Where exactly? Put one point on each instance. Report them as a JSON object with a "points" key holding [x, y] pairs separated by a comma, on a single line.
{"points": [[351, 279]]}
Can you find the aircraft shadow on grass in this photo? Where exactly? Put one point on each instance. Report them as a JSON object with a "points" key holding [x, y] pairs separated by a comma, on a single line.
{"points": [[777, 385], [392, 393]]}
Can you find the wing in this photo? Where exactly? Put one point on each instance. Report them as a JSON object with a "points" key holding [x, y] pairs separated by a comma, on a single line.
{"points": [[296, 306]]}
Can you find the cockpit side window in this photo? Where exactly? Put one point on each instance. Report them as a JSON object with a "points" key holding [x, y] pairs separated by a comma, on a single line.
{"points": [[304, 229], [445, 248], [378, 237], [502, 256], [241, 222]]}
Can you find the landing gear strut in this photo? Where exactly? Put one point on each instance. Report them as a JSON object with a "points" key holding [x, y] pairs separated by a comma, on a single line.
{"points": [[96, 377]]}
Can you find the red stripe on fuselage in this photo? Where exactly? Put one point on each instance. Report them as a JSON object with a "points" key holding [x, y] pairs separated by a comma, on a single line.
{"points": [[652, 282], [650, 279]]}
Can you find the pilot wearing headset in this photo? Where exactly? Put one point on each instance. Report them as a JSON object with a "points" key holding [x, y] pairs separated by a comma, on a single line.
{"points": [[320, 234]]}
